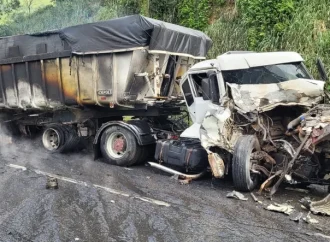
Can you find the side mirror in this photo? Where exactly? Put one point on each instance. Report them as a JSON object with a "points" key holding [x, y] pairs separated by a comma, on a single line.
{"points": [[210, 88], [321, 69]]}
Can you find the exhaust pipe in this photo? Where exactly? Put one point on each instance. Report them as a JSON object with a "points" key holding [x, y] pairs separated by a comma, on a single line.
{"points": [[174, 172]]}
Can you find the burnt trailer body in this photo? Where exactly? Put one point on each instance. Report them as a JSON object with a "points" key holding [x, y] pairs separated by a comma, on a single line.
{"points": [[82, 80], [126, 63], [111, 80]]}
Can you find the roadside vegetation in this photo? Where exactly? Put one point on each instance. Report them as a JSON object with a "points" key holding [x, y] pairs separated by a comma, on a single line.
{"points": [[258, 25]]}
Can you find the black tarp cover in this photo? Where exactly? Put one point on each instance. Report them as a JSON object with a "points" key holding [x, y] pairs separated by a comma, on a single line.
{"points": [[121, 34]]}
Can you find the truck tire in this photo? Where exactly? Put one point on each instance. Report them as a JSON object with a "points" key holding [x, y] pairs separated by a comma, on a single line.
{"points": [[72, 140], [147, 153], [119, 147], [58, 138], [242, 178]]}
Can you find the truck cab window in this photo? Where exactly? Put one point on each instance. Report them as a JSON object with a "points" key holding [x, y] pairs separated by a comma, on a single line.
{"points": [[187, 92], [267, 74], [197, 80], [210, 90]]}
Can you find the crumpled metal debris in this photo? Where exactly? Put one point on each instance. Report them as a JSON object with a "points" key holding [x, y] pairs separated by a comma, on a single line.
{"points": [[237, 195], [308, 219], [281, 208], [51, 183], [297, 189], [254, 197], [296, 216], [327, 176], [319, 235], [317, 207], [262, 155], [269, 181], [217, 165], [181, 180], [265, 97]]}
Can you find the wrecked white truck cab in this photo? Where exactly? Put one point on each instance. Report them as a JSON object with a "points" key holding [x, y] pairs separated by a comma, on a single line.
{"points": [[259, 116]]}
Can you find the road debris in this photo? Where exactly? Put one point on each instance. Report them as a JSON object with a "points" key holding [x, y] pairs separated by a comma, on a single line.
{"points": [[297, 189], [318, 207], [308, 219], [18, 167], [82, 183], [185, 181], [181, 180], [51, 183], [296, 216], [269, 181], [319, 235], [254, 197], [237, 195], [281, 208]]}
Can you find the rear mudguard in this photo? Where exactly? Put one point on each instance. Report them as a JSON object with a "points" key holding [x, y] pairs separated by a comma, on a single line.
{"points": [[141, 130]]}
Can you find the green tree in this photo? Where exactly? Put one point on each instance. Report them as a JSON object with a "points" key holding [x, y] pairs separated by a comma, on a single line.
{"points": [[198, 13], [263, 17], [164, 10], [121, 7], [194, 13], [8, 5], [13, 4], [29, 4]]}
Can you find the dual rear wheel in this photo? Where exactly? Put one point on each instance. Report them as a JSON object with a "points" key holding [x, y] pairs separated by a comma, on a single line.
{"points": [[58, 138], [119, 147]]}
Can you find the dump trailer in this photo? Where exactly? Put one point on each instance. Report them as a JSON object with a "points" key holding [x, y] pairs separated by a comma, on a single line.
{"points": [[81, 81]]}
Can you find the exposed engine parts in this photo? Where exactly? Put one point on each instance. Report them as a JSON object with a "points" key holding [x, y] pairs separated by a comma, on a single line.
{"points": [[292, 151]]}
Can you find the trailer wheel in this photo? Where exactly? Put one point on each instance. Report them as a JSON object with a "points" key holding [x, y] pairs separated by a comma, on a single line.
{"points": [[119, 146], [53, 138], [60, 138], [243, 179]]}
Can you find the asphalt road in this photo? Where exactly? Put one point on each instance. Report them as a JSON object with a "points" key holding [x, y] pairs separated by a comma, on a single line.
{"points": [[99, 202]]}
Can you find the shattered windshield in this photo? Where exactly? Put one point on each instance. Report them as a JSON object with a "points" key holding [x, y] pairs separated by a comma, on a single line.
{"points": [[267, 74]]}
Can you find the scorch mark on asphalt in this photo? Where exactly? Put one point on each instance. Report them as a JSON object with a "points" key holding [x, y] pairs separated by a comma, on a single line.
{"points": [[107, 189]]}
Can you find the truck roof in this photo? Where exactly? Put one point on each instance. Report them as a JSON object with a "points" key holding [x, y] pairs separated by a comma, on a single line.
{"points": [[248, 60], [244, 60]]}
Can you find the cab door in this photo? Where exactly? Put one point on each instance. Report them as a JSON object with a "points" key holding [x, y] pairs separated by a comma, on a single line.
{"points": [[187, 92], [200, 89]]}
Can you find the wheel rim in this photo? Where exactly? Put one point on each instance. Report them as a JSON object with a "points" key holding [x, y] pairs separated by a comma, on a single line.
{"points": [[51, 139], [116, 145]]}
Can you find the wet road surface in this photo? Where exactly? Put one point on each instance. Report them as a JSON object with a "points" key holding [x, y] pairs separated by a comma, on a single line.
{"points": [[99, 202]]}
